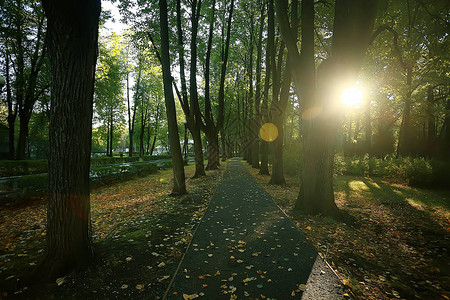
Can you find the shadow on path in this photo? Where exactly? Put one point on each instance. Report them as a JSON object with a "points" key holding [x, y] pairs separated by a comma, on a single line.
{"points": [[246, 248]]}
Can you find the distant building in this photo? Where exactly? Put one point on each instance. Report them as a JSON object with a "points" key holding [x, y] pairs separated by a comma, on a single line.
{"points": [[4, 141]]}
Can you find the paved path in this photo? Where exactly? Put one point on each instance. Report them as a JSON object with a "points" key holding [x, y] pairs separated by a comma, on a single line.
{"points": [[246, 248]]}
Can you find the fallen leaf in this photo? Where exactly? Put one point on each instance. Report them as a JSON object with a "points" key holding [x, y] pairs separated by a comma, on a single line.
{"points": [[60, 281], [189, 297], [163, 278]]}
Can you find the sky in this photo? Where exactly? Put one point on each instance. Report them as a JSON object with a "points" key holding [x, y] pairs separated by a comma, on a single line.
{"points": [[114, 24]]}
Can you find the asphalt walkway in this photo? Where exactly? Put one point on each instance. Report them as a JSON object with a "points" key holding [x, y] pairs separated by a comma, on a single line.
{"points": [[246, 248]]}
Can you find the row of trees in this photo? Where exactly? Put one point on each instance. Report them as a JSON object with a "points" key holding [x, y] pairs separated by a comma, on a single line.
{"points": [[26, 95], [251, 77]]}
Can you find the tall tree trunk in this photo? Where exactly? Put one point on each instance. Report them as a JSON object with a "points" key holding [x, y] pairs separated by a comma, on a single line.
{"points": [[368, 127], [404, 140], [224, 150], [444, 136], [353, 23], [270, 53], [210, 128], [431, 124], [179, 184], [130, 118], [72, 43], [29, 95], [221, 96], [12, 109], [111, 134], [278, 115], [253, 156], [195, 115], [198, 153], [189, 112], [257, 117], [142, 133], [153, 144], [212, 138]]}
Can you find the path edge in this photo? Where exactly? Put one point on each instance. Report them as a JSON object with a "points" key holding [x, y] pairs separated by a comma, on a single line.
{"points": [[166, 293]]}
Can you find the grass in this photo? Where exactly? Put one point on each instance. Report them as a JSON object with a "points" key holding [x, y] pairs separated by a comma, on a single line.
{"points": [[139, 234], [398, 244]]}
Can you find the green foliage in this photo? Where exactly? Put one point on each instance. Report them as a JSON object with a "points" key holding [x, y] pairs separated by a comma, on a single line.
{"points": [[36, 166], [23, 167], [414, 171]]}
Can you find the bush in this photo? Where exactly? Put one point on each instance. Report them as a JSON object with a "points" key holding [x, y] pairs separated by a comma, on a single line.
{"points": [[23, 167], [164, 164], [413, 171], [418, 171]]}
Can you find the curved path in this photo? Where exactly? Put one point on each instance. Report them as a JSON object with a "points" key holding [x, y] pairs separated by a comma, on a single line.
{"points": [[246, 248]]}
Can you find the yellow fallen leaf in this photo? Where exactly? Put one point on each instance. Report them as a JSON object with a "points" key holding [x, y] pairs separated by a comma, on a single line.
{"points": [[308, 227], [60, 281], [345, 281], [189, 297]]}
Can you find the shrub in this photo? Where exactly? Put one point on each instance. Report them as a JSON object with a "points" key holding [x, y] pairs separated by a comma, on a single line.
{"points": [[22, 167], [418, 172]]}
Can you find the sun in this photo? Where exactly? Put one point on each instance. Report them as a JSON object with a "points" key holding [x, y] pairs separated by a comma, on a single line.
{"points": [[353, 96]]}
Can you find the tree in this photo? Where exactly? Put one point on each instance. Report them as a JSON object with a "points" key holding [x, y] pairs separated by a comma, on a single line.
{"points": [[353, 23], [24, 51], [211, 129], [257, 102], [179, 185], [270, 59], [108, 98], [72, 48]]}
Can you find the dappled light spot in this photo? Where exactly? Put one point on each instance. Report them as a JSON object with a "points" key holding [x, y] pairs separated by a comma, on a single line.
{"points": [[374, 184], [415, 203], [398, 192], [358, 185], [311, 113], [268, 132]]}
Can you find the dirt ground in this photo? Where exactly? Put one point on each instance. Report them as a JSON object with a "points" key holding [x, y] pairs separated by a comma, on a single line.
{"points": [[139, 232], [395, 248]]}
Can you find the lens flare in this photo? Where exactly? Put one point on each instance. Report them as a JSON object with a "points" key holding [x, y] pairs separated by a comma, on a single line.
{"points": [[268, 132]]}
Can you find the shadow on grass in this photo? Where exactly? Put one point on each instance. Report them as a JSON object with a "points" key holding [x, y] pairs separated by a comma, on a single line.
{"points": [[404, 238]]}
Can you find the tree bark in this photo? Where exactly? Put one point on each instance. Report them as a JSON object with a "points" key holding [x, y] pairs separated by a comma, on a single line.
{"points": [[195, 115], [131, 119], [179, 185], [405, 139], [431, 124], [72, 44], [264, 169], [257, 117], [353, 23], [210, 128], [189, 112]]}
